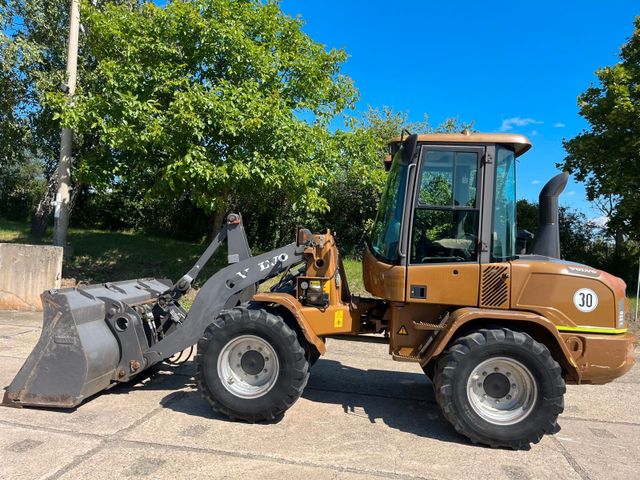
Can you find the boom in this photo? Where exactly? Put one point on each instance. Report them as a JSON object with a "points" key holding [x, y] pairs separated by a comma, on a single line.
{"points": [[96, 336]]}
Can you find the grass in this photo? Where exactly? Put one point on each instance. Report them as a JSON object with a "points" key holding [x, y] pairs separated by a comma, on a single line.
{"points": [[353, 271], [103, 256], [632, 302], [13, 232], [634, 325]]}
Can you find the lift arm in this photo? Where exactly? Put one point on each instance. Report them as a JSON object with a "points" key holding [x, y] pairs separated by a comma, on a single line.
{"points": [[96, 336]]}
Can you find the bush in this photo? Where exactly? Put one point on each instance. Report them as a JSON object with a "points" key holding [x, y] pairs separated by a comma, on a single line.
{"points": [[21, 186]]}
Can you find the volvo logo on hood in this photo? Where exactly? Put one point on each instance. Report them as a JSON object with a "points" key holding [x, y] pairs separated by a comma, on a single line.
{"points": [[589, 272]]}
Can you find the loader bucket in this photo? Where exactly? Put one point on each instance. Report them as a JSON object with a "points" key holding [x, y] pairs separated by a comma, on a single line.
{"points": [[80, 351]]}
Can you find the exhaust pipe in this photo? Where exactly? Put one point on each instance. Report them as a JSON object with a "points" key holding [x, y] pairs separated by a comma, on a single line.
{"points": [[547, 239]]}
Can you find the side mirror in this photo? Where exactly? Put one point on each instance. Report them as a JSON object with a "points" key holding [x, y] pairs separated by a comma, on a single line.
{"points": [[523, 241], [304, 237], [409, 147]]}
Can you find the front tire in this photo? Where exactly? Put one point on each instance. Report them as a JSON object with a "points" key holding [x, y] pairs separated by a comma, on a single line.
{"points": [[500, 387], [250, 365], [312, 354]]}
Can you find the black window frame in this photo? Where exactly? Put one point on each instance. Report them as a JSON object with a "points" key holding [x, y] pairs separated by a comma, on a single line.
{"points": [[417, 205]]}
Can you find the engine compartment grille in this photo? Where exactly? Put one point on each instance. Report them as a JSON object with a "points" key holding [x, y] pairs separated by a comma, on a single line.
{"points": [[494, 290]]}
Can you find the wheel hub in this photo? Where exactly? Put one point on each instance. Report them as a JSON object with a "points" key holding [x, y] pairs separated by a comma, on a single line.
{"points": [[252, 362], [501, 391], [248, 366], [496, 385]]}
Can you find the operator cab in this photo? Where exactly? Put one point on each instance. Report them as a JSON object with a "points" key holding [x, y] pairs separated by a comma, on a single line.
{"points": [[449, 200]]}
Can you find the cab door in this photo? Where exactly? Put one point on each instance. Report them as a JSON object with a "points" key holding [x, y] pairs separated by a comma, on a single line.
{"points": [[443, 255]]}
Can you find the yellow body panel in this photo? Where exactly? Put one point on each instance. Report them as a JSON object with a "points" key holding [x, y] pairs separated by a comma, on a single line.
{"points": [[446, 284], [548, 288], [383, 280]]}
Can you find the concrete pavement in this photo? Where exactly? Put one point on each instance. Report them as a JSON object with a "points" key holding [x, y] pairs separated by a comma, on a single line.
{"points": [[361, 416]]}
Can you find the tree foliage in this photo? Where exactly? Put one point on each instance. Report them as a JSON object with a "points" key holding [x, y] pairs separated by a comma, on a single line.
{"points": [[195, 107], [607, 156], [583, 241], [357, 176], [213, 97], [20, 172], [33, 56], [34, 38]]}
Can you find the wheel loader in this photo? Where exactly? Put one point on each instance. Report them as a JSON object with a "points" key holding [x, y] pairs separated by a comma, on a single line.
{"points": [[499, 331]]}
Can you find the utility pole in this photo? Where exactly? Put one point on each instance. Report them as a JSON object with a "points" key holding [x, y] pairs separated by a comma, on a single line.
{"points": [[638, 291], [61, 214]]}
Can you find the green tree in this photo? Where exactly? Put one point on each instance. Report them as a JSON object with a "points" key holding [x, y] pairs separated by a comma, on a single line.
{"points": [[20, 172], [219, 98], [585, 242], [527, 215], [606, 156], [34, 54], [357, 176], [196, 107], [33, 63]]}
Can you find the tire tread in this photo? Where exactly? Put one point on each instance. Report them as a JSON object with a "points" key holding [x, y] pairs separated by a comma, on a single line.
{"points": [[248, 316], [447, 366]]}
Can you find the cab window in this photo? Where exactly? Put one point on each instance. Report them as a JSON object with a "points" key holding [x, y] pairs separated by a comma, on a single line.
{"points": [[503, 244], [445, 226], [385, 236]]}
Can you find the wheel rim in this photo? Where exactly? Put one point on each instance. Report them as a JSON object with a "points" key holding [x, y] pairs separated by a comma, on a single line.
{"points": [[502, 391], [248, 366]]}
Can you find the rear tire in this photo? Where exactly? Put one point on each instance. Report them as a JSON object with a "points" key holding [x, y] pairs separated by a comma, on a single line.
{"points": [[250, 365], [500, 387]]}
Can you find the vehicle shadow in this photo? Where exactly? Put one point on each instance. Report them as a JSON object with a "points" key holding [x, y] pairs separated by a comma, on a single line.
{"points": [[401, 400]]}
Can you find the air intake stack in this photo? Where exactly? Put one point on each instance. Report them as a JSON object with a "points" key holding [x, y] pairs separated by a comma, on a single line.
{"points": [[547, 239]]}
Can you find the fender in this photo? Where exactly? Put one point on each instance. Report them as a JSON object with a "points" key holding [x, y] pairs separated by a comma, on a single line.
{"points": [[292, 305], [464, 315]]}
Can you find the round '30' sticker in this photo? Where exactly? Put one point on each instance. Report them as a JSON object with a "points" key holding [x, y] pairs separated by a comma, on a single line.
{"points": [[585, 300]]}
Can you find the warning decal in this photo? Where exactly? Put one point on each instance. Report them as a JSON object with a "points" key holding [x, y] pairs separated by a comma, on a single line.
{"points": [[403, 331], [338, 319]]}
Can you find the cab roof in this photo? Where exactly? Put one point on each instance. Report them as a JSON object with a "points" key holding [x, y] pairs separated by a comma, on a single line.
{"points": [[519, 143]]}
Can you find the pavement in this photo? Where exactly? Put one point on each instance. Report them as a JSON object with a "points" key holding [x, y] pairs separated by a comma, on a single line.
{"points": [[361, 416]]}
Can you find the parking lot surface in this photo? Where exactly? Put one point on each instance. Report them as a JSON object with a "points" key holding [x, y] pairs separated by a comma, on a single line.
{"points": [[361, 416]]}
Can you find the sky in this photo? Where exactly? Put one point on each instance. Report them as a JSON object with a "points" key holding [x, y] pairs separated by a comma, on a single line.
{"points": [[510, 66]]}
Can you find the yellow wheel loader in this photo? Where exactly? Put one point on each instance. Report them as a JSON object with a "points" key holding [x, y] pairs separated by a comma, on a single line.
{"points": [[498, 331]]}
